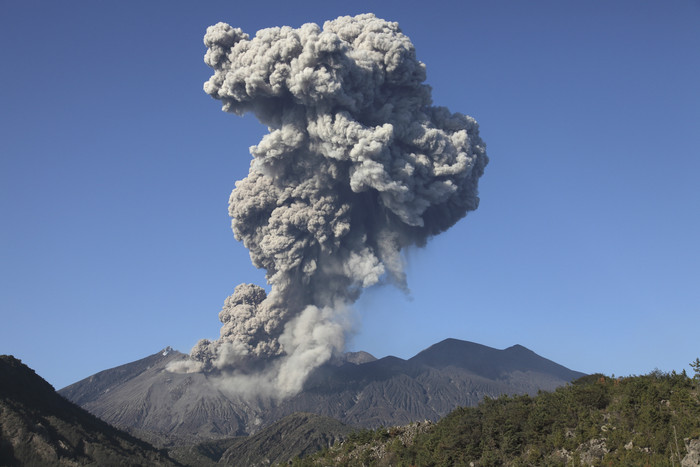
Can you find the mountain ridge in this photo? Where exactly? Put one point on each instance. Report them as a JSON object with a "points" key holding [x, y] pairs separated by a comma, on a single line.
{"points": [[516, 357], [143, 398]]}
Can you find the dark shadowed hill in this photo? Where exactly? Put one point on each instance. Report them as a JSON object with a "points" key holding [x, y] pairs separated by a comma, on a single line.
{"points": [[146, 399], [296, 435], [39, 427]]}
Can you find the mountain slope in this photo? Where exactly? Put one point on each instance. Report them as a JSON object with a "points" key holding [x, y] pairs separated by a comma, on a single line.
{"points": [[452, 373], [146, 399], [488, 362], [107, 380], [639, 420], [39, 427], [296, 435]]}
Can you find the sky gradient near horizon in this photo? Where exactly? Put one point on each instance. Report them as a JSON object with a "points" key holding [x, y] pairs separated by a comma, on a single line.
{"points": [[116, 170]]}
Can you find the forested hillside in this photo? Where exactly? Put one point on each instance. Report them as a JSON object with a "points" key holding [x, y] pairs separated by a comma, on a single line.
{"points": [[597, 420]]}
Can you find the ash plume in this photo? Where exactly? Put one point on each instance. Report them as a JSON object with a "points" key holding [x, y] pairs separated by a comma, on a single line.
{"points": [[357, 166]]}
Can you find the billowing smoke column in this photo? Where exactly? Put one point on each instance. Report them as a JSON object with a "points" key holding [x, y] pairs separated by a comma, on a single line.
{"points": [[356, 167]]}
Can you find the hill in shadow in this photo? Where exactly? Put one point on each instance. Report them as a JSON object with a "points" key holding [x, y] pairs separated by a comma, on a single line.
{"points": [[40, 427]]}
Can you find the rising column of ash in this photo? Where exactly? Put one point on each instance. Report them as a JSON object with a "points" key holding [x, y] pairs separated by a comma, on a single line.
{"points": [[358, 165]]}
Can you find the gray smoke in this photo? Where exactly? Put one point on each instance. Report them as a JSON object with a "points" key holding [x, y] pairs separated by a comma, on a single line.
{"points": [[357, 166]]}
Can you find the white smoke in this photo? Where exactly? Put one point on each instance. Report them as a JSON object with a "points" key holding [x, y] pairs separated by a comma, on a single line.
{"points": [[357, 166]]}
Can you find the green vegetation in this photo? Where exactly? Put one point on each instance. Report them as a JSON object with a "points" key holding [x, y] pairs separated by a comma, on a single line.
{"points": [[696, 368], [596, 420]]}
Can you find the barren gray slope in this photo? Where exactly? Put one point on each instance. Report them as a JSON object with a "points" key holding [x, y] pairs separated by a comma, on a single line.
{"points": [[144, 396], [388, 391]]}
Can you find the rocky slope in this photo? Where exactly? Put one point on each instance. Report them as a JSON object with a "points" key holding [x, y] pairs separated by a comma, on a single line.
{"points": [[39, 427], [296, 435], [146, 399]]}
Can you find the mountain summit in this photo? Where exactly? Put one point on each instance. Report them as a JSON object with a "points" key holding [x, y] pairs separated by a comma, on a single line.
{"points": [[489, 362], [164, 407]]}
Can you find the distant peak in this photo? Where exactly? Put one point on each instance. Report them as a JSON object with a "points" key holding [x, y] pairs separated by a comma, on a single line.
{"points": [[356, 358], [166, 351], [359, 358]]}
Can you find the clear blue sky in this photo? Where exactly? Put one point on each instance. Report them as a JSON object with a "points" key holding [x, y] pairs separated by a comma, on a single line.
{"points": [[116, 170]]}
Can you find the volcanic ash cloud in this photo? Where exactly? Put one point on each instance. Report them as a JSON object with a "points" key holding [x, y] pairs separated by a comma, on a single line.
{"points": [[357, 165]]}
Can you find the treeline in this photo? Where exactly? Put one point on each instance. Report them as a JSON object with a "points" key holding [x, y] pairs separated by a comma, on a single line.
{"points": [[596, 420]]}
